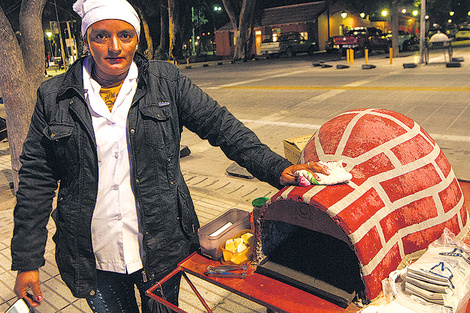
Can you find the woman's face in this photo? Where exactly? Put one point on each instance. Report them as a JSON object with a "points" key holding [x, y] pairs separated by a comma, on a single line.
{"points": [[112, 44]]}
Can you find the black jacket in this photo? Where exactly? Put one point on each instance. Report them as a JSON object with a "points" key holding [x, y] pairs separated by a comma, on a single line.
{"points": [[61, 148]]}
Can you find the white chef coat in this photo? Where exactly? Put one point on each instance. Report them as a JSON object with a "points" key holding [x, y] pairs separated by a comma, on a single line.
{"points": [[116, 234]]}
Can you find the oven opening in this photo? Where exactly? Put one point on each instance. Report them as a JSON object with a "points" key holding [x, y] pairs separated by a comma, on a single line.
{"points": [[312, 261]]}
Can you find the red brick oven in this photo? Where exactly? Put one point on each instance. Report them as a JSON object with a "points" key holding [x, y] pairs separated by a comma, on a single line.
{"points": [[351, 236]]}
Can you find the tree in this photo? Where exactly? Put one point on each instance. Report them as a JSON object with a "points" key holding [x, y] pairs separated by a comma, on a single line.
{"points": [[179, 17], [198, 20], [22, 65], [145, 32], [395, 17], [164, 28], [153, 14], [241, 14]]}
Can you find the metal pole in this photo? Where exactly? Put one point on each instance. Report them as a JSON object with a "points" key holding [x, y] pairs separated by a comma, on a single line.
{"points": [[60, 36], [422, 31], [193, 36], [71, 37]]}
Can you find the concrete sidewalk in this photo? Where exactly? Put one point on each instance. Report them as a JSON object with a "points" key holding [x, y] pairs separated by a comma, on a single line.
{"points": [[213, 194]]}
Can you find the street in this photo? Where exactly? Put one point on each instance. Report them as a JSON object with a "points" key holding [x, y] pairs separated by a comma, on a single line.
{"points": [[289, 97]]}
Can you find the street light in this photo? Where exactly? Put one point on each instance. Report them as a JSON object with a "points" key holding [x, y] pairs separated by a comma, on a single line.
{"points": [[363, 15], [344, 14], [384, 13], [415, 12], [451, 13]]}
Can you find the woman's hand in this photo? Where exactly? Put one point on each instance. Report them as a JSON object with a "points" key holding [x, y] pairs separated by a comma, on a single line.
{"points": [[26, 280], [288, 176]]}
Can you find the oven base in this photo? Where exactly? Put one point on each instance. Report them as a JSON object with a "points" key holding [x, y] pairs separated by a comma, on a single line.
{"points": [[307, 283]]}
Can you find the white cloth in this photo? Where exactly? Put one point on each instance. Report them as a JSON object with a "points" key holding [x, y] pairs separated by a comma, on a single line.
{"points": [[338, 175], [116, 235], [92, 11]]}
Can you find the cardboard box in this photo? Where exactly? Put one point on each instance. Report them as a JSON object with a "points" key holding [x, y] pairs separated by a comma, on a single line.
{"points": [[293, 147]]}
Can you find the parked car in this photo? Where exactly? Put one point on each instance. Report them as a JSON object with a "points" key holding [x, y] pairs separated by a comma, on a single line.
{"points": [[361, 38], [405, 40], [289, 44], [329, 45], [462, 34]]}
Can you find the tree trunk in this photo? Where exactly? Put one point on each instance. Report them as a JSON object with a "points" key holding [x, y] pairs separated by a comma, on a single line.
{"points": [[22, 70], [164, 27], [395, 17], [242, 22], [175, 8], [232, 13], [246, 27], [147, 36]]}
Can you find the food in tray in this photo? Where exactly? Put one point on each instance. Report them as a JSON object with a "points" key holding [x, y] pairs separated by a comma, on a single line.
{"points": [[248, 239], [240, 244], [238, 249]]}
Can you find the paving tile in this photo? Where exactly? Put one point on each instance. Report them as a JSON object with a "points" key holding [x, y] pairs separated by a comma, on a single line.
{"points": [[5, 261], [72, 308], [210, 293], [6, 286], [4, 306], [50, 268], [52, 296], [82, 305], [58, 286], [234, 303], [46, 307]]}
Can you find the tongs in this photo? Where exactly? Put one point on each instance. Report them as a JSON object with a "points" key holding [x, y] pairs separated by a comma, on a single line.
{"points": [[227, 271]]}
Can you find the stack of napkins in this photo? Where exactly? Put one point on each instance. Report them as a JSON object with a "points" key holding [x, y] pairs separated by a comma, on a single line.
{"points": [[429, 287], [440, 276]]}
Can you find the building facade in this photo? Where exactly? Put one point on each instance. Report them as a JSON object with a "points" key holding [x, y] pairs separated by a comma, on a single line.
{"points": [[315, 21]]}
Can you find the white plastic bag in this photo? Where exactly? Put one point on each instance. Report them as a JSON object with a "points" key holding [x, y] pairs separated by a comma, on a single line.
{"points": [[438, 282]]}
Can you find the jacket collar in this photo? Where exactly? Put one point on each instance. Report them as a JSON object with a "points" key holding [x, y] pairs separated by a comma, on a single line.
{"points": [[73, 79]]}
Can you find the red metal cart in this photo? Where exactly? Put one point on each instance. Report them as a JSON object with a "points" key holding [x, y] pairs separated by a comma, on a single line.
{"points": [[268, 292], [273, 294]]}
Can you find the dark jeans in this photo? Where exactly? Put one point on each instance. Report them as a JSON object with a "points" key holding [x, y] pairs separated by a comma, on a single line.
{"points": [[116, 293]]}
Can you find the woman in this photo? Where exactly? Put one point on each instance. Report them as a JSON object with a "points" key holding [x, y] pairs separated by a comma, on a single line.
{"points": [[109, 131]]}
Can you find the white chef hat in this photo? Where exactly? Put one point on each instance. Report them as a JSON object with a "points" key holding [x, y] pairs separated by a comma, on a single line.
{"points": [[92, 11]]}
